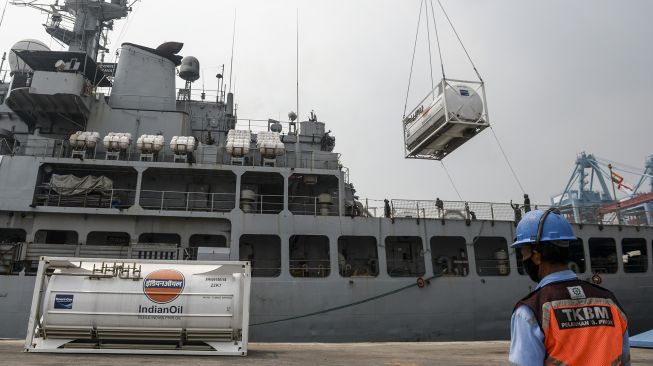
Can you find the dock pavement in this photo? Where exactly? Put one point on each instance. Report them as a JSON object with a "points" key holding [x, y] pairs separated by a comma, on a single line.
{"points": [[305, 354]]}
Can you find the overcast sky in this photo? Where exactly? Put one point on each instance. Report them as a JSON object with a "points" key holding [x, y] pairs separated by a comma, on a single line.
{"points": [[562, 77]]}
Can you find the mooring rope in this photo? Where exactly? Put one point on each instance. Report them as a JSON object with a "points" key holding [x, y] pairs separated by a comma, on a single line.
{"points": [[386, 294]]}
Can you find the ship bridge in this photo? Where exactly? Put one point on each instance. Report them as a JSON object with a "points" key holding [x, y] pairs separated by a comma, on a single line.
{"points": [[56, 94]]}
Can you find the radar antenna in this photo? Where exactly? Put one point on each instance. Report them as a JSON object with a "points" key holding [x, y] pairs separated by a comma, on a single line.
{"points": [[83, 25]]}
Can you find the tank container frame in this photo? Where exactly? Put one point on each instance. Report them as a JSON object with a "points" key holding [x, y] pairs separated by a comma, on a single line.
{"points": [[419, 150]]}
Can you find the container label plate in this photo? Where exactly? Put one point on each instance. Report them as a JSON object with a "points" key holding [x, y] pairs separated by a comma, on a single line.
{"points": [[63, 302]]}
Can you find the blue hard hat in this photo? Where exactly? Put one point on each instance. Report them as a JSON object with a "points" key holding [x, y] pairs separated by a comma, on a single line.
{"points": [[554, 228]]}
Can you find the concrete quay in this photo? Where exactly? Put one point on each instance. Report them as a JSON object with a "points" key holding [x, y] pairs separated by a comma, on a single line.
{"points": [[283, 354]]}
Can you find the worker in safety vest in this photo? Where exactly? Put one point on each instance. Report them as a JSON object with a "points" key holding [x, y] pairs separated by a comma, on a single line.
{"points": [[565, 321]]}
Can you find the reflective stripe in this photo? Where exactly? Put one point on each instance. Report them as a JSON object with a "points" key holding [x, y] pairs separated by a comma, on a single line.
{"points": [[546, 308], [553, 362]]}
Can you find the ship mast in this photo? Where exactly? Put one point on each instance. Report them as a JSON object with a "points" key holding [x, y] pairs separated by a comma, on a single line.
{"points": [[81, 24]]}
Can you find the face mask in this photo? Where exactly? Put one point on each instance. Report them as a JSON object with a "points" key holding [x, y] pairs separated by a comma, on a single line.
{"points": [[531, 269]]}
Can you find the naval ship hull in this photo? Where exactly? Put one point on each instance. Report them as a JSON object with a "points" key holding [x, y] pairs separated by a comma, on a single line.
{"points": [[124, 164], [382, 308]]}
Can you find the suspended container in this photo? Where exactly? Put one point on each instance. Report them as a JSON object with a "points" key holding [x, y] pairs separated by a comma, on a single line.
{"points": [[444, 121], [140, 306]]}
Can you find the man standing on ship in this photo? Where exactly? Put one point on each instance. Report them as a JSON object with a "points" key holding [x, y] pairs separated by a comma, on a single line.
{"points": [[565, 321]]}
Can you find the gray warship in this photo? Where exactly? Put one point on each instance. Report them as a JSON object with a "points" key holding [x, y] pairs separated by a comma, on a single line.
{"points": [[112, 160]]}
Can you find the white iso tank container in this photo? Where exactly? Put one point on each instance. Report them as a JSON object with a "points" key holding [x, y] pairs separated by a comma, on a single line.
{"points": [[150, 143], [84, 140], [430, 132], [238, 142], [117, 141], [182, 145], [140, 306]]}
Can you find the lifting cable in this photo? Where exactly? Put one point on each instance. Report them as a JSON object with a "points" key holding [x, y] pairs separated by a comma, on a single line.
{"points": [[125, 27], [428, 37], [460, 41], [505, 156], [605, 161], [2, 18], [412, 62], [437, 39], [369, 299], [451, 180], [618, 167]]}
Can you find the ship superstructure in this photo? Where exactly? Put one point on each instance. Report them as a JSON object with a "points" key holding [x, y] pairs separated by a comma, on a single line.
{"points": [[114, 161]]}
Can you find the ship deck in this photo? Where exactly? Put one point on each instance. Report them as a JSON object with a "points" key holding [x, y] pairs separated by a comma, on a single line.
{"points": [[264, 354]]}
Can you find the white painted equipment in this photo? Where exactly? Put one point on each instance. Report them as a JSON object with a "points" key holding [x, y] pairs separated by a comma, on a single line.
{"points": [[325, 201], [150, 143], [140, 306], [247, 200], [238, 142], [189, 69], [82, 140], [270, 145], [445, 121], [117, 141], [182, 145], [501, 256]]}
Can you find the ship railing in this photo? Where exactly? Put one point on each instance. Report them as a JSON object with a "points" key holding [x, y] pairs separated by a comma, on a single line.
{"points": [[311, 206], [458, 210], [310, 267], [47, 196], [205, 154], [187, 201], [208, 96], [264, 204], [136, 251]]}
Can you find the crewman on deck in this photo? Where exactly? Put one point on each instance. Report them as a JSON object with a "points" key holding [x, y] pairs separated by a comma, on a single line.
{"points": [[565, 321], [527, 203], [517, 209]]}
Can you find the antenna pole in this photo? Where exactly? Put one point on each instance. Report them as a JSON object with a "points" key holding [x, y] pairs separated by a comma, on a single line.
{"points": [[297, 61], [3, 12], [233, 41], [297, 146]]}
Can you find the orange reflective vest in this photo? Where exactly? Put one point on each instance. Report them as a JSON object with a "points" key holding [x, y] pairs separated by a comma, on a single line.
{"points": [[583, 324]]}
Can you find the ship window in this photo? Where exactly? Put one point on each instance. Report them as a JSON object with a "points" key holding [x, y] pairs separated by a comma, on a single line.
{"points": [[491, 256], [357, 256], [56, 237], [309, 256], [635, 256], [405, 256], [576, 257], [156, 238], [201, 240], [449, 256], [11, 236], [263, 252], [603, 255], [107, 238]]}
